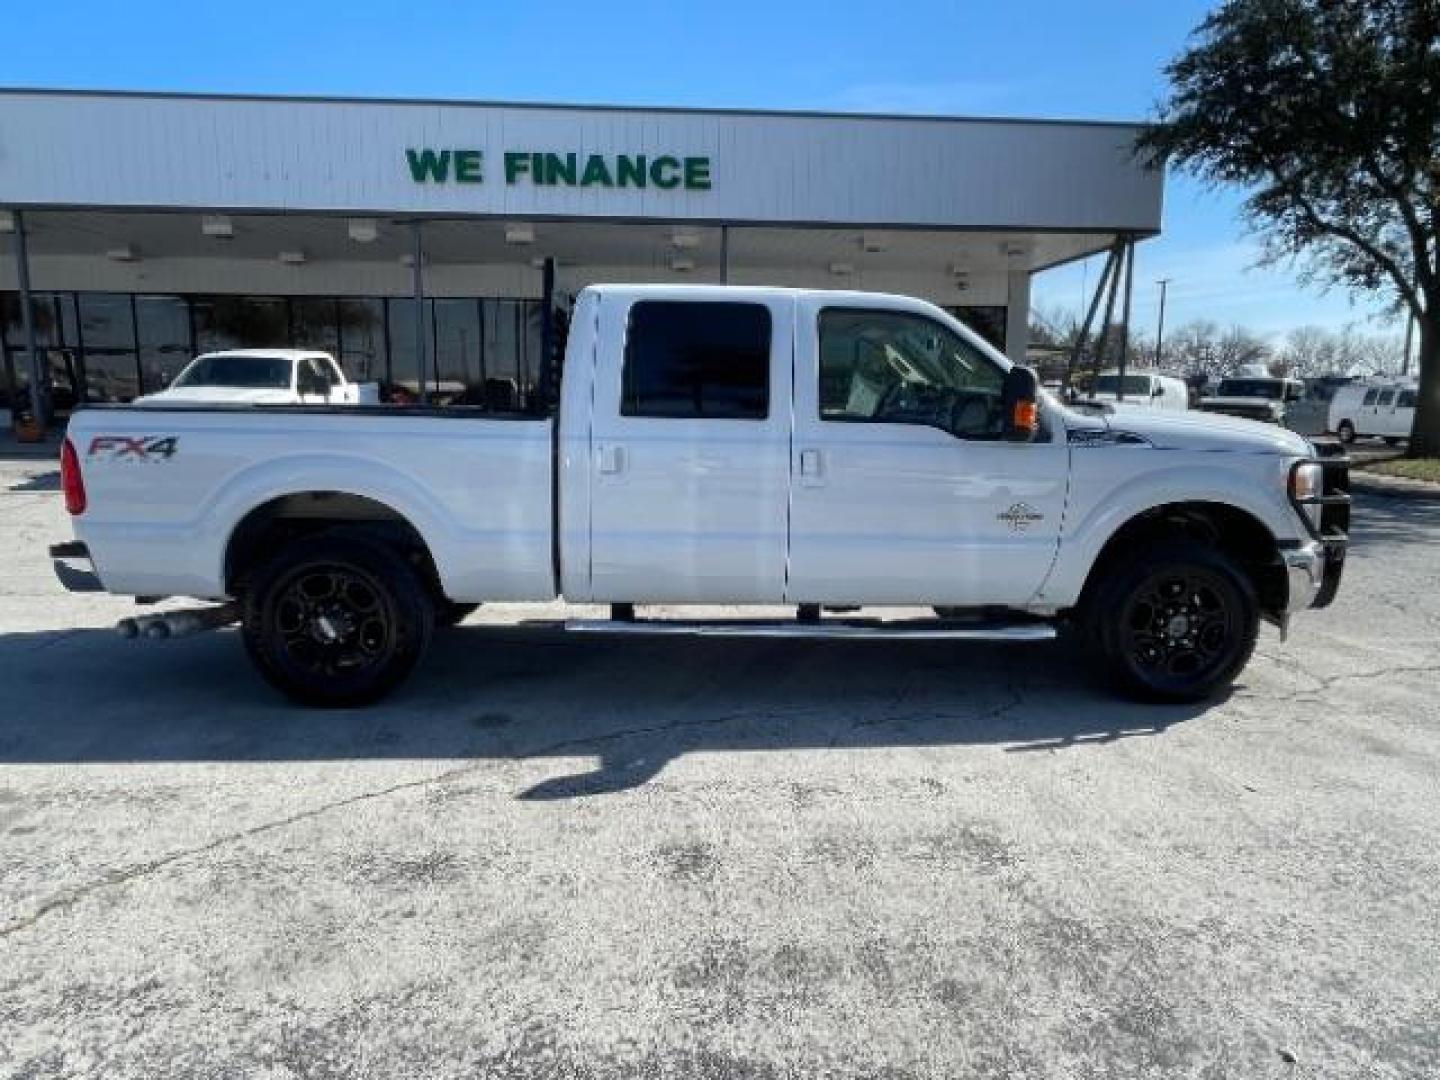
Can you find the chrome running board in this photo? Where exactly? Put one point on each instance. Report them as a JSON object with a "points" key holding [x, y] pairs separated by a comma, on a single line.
{"points": [[865, 629]]}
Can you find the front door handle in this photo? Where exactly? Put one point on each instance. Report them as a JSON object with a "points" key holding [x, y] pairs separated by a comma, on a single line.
{"points": [[812, 468]]}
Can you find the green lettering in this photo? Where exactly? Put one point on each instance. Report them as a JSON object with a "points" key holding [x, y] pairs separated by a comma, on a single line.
{"points": [[558, 169], [630, 171], [467, 166], [697, 173], [515, 164], [537, 168], [596, 172], [428, 165], [664, 171]]}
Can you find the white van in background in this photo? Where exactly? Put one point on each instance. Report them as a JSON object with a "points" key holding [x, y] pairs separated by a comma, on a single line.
{"points": [[1143, 389], [1379, 410]]}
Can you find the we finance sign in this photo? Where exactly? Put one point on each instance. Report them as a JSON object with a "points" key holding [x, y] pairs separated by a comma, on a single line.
{"points": [[667, 172]]}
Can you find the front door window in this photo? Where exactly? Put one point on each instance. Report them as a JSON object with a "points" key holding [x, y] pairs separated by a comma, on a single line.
{"points": [[900, 368]]}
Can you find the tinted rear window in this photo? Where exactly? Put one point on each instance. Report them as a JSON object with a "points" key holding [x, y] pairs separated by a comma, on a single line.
{"points": [[697, 360]]}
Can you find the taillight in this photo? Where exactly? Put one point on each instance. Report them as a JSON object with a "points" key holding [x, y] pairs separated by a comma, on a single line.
{"points": [[71, 482]]}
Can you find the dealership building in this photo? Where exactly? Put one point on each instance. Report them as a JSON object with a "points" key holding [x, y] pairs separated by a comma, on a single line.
{"points": [[436, 246]]}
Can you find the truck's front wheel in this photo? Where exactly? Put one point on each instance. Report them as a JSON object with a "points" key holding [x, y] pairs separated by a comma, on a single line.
{"points": [[1176, 623], [337, 620]]}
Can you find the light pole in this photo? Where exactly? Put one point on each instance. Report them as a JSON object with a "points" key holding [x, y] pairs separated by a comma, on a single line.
{"points": [[1164, 284]]}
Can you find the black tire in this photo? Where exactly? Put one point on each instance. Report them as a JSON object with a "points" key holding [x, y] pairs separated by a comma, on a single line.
{"points": [[450, 613], [337, 620], [1175, 622], [1346, 431]]}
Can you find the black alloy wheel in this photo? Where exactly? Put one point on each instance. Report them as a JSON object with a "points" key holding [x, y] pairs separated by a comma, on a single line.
{"points": [[1176, 624], [337, 620]]}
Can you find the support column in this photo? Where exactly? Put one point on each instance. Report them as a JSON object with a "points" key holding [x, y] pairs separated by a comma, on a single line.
{"points": [[549, 384], [1125, 316], [1017, 308], [27, 316], [419, 282]]}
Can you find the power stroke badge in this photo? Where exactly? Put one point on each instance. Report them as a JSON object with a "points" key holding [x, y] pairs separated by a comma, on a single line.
{"points": [[1020, 517]]}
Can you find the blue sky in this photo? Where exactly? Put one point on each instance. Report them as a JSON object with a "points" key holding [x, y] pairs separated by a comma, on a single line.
{"points": [[1058, 58]]}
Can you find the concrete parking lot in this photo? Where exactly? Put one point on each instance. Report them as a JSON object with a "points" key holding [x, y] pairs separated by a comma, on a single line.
{"points": [[556, 857]]}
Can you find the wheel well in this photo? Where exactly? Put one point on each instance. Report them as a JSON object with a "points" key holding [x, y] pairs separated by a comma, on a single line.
{"points": [[1239, 534], [268, 528]]}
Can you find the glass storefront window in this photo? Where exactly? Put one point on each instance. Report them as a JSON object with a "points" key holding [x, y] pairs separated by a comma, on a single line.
{"points": [[362, 339], [314, 324], [405, 368], [116, 346], [459, 364], [240, 322], [53, 317], [107, 329], [504, 354], [164, 324]]}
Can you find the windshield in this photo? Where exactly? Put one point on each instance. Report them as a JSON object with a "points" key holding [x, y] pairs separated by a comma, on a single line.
{"points": [[1262, 388], [1137, 385], [243, 372]]}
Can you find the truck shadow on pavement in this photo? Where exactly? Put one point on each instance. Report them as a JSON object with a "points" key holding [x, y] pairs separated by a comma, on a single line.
{"points": [[46, 481], [517, 693], [1380, 521]]}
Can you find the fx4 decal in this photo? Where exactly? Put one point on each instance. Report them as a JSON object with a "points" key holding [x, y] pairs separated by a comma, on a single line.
{"points": [[132, 447]]}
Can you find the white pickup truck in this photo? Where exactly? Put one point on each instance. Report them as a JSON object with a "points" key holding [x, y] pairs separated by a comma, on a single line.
{"points": [[719, 446], [262, 377]]}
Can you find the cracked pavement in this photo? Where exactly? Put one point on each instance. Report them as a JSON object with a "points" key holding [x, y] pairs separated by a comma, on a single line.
{"points": [[592, 857]]}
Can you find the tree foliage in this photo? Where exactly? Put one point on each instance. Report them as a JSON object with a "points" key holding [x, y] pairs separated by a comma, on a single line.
{"points": [[1328, 113]]}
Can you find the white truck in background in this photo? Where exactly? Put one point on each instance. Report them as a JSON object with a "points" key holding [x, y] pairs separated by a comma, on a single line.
{"points": [[1254, 395], [263, 377], [1140, 390], [719, 446]]}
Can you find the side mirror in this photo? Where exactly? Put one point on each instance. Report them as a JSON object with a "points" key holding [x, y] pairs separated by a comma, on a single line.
{"points": [[1020, 401]]}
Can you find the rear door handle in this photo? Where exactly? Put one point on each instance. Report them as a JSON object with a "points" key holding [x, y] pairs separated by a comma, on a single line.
{"points": [[612, 459]]}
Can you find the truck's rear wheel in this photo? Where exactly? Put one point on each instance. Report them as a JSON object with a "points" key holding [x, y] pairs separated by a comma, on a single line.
{"points": [[337, 620], [1177, 623]]}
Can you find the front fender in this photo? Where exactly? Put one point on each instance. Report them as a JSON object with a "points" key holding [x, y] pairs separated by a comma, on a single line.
{"points": [[1108, 491]]}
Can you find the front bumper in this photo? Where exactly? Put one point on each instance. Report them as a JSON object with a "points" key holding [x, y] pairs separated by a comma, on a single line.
{"points": [[1314, 567], [1313, 570]]}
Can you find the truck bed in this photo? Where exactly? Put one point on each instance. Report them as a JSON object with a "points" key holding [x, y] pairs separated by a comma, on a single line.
{"points": [[168, 486]]}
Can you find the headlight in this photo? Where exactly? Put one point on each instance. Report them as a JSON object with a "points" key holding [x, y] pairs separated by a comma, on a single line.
{"points": [[1307, 485]]}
